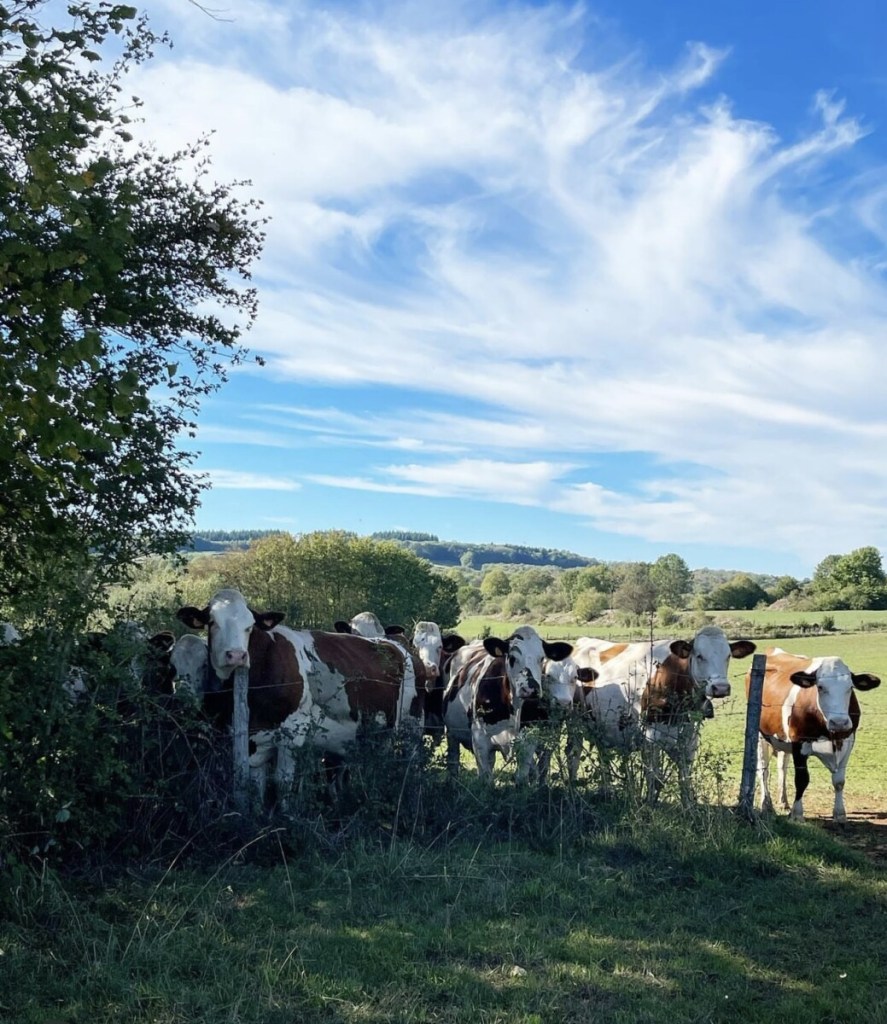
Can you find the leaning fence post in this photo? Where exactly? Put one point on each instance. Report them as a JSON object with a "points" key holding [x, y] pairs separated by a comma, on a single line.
{"points": [[241, 739], [752, 728]]}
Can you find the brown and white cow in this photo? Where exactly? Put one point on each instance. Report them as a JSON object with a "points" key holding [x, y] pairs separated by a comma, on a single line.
{"points": [[491, 687], [653, 696], [305, 686], [808, 707], [435, 651]]}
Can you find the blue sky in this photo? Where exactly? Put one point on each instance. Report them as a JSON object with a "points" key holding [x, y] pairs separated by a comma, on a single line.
{"points": [[607, 277]]}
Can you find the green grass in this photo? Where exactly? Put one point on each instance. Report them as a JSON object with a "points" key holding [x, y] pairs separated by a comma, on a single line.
{"points": [[866, 786], [723, 737], [654, 916], [499, 907]]}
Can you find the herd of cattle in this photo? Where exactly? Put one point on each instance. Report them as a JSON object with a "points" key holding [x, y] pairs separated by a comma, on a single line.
{"points": [[322, 690]]}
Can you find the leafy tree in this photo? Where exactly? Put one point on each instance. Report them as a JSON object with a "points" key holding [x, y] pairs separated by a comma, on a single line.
{"points": [[741, 592], [320, 577], [532, 582], [123, 296], [671, 576], [495, 584], [784, 586], [589, 604], [637, 592], [855, 580]]}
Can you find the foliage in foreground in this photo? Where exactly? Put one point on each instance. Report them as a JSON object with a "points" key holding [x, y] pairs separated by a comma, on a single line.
{"points": [[648, 915], [123, 297]]}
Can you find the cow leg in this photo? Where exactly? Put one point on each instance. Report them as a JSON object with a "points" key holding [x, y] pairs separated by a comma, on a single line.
{"points": [[652, 771], [543, 765], [838, 769], [454, 754], [765, 752], [782, 778], [802, 780], [285, 773], [485, 758], [684, 757], [573, 753]]}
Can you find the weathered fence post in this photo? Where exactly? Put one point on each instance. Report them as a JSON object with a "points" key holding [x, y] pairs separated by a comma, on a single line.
{"points": [[241, 739], [752, 727]]}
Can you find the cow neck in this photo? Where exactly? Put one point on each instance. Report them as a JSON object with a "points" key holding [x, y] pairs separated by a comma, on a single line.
{"points": [[671, 705]]}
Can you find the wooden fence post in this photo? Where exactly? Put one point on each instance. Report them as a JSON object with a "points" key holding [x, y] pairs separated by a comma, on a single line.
{"points": [[752, 728], [241, 739]]}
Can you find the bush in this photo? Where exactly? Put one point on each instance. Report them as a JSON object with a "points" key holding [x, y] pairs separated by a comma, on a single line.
{"points": [[589, 604], [667, 616]]}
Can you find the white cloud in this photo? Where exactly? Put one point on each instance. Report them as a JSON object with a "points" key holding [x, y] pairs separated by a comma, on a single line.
{"points": [[564, 259], [235, 480]]}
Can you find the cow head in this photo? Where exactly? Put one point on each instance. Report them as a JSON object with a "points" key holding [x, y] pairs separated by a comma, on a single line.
{"points": [[834, 684], [368, 625], [433, 648], [563, 678], [708, 656], [229, 621], [524, 652]]}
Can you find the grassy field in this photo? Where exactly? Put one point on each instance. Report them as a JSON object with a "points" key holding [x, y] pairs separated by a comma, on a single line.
{"points": [[865, 651], [643, 917], [866, 787], [491, 905]]}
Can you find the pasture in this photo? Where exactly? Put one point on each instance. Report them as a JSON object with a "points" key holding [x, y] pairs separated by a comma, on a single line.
{"points": [[529, 906]]}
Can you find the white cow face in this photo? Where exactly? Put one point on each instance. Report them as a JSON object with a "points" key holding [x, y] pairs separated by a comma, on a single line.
{"points": [[562, 678], [834, 684], [367, 624], [428, 641], [524, 653], [189, 658], [709, 656], [229, 621]]}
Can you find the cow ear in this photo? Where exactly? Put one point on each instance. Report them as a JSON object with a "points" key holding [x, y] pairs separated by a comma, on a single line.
{"points": [[395, 631], [162, 642], [681, 648], [267, 620], [865, 681], [493, 645], [341, 626], [452, 642], [194, 618], [803, 679], [742, 648], [586, 674], [558, 650]]}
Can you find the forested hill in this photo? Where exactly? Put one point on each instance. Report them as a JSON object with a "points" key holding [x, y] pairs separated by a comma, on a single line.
{"points": [[423, 545], [475, 556], [226, 540]]}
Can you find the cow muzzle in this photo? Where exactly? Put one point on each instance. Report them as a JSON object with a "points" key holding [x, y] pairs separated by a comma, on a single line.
{"points": [[236, 658], [839, 727], [715, 690]]}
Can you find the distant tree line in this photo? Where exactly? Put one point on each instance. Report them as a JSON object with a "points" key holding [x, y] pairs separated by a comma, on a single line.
{"points": [[225, 540], [476, 556]]}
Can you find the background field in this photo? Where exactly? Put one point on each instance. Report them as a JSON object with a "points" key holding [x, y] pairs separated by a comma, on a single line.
{"points": [[863, 651]]}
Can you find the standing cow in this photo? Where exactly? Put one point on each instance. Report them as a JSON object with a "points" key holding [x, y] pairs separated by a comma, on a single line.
{"points": [[305, 686], [808, 707], [487, 688], [653, 696], [435, 651]]}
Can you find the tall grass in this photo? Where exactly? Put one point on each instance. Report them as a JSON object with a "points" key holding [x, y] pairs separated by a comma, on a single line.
{"points": [[648, 915]]}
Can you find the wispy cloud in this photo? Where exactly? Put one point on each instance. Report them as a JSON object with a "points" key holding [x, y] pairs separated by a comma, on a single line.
{"points": [[236, 480], [540, 258]]}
